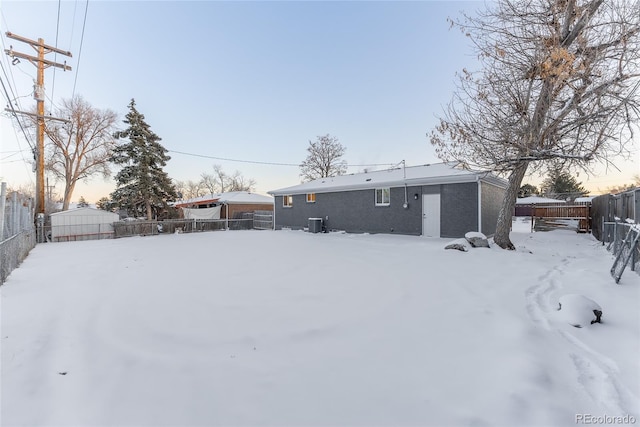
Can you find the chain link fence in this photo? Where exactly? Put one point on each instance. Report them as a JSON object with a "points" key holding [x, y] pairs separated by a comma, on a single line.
{"points": [[614, 220], [17, 230], [150, 228], [619, 238]]}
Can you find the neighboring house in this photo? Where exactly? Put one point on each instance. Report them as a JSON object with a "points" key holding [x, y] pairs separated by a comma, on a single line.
{"points": [[229, 205], [524, 205], [439, 200], [82, 224]]}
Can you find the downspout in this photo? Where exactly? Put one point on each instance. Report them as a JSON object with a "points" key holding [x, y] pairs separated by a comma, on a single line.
{"points": [[227, 216], [479, 203], [273, 215], [404, 175]]}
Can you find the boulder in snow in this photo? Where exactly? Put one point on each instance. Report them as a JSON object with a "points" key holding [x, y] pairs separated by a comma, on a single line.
{"points": [[477, 239], [579, 310], [459, 244]]}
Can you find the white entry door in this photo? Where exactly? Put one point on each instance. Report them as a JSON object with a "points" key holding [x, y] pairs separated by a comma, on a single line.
{"points": [[431, 215]]}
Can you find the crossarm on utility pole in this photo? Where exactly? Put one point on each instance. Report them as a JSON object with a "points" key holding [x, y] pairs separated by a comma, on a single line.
{"points": [[10, 110], [41, 63], [37, 43], [34, 60]]}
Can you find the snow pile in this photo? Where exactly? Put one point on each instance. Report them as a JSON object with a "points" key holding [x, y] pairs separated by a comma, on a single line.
{"points": [[459, 244], [477, 239], [289, 328], [578, 310], [472, 239]]}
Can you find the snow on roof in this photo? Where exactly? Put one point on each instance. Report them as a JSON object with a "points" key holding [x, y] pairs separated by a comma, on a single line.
{"points": [[229, 198], [439, 173], [85, 212], [584, 199], [536, 200], [75, 205]]}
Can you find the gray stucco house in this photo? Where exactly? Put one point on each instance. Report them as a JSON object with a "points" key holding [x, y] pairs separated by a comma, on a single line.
{"points": [[438, 200]]}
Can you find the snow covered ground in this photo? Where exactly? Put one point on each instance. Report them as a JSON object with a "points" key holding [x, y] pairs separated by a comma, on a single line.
{"points": [[290, 328]]}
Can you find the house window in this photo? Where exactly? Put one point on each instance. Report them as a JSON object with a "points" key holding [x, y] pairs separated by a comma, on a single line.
{"points": [[383, 197], [311, 197], [287, 201]]}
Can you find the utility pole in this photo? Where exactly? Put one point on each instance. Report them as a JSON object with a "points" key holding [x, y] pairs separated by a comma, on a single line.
{"points": [[41, 63]]}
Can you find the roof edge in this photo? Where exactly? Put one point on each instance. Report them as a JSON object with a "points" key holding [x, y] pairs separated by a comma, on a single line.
{"points": [[442, 180]]}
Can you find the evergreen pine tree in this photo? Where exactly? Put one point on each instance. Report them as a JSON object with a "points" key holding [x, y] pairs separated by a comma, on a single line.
{"points": [[106, 204], [82, 203], [528, 190], [143, 188], [561, 185]]}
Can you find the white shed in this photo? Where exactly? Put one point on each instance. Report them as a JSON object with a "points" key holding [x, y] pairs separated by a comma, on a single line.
{"points": [[82, 224]]}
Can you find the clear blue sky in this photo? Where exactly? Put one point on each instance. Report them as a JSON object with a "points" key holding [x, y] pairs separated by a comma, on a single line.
{"points": [[251, 81]]}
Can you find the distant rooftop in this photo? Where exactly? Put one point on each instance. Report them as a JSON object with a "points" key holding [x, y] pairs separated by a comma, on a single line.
{"points": [[536, 200], [229, 198]]}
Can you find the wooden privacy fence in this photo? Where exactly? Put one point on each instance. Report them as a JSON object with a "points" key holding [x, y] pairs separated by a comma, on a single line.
{"points": [[575, 212]]}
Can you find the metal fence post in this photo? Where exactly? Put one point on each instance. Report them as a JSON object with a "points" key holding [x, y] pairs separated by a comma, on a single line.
{"points": [[634, 255], [14, 214], [3, 204]]}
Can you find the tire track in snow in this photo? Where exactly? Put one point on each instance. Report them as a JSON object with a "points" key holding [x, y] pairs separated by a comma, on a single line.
{"points": [[596, 373]]}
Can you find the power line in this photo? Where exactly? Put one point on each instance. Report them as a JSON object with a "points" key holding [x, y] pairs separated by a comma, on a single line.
{"points": [[233, 160], [10, 101], [14, 130], [6, 158], [75, 80], [15, 114], [73, 22], [55, 55], [52, 103], [15, 98], [225, 159]]}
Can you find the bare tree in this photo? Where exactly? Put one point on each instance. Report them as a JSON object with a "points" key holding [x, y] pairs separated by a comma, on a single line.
{"points": [[220, 178], [615, 189], [82, 147], [240, 183], [190, 189], [219, 181], [209, 182], [180, 187], [195, 189], [324, 159], [557, 87]]}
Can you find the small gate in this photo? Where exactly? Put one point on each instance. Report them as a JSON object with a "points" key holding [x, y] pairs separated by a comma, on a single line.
{"points": [[569, 212], [263, 220]]}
